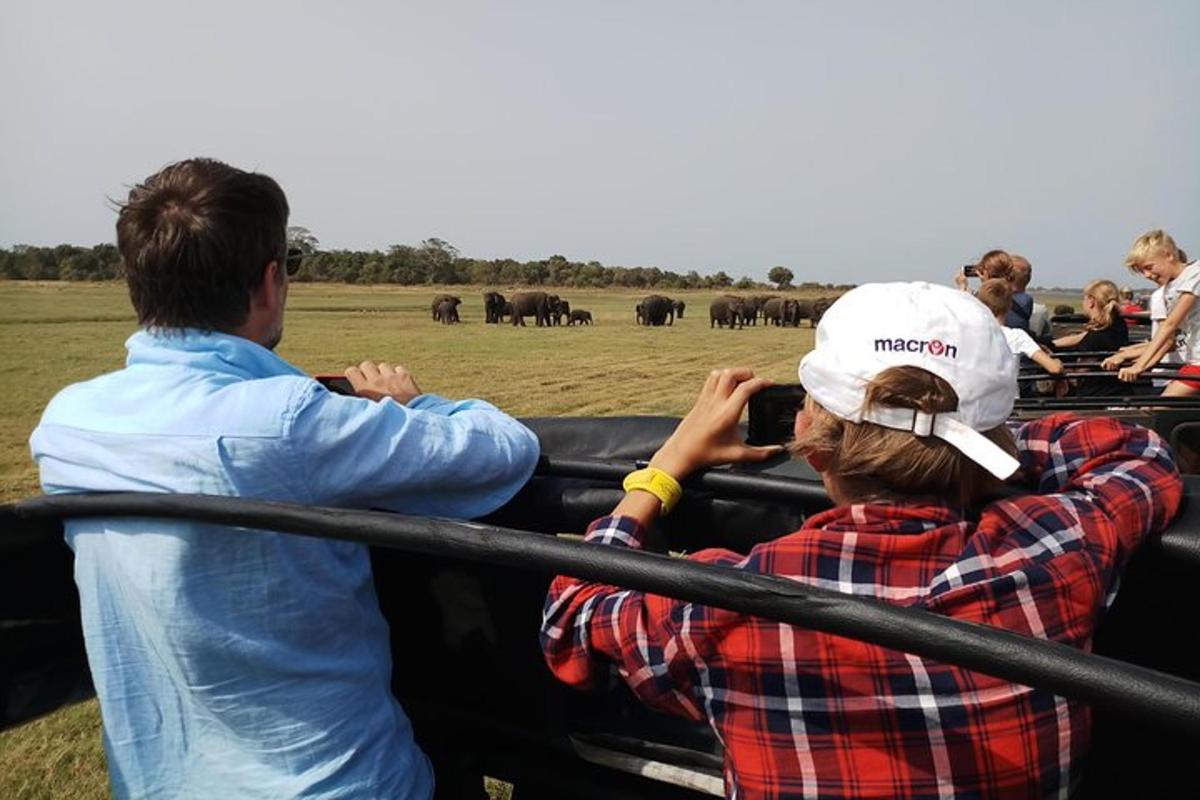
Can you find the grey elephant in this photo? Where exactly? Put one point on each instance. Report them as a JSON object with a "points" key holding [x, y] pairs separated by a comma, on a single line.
{"points": [[780, 311], [579, 317], [447, 311], [493, 304], [1063, 308], [679, 306], [437, 301], [535, 304], [558, 311], [725, 311], [820, 307], [812, 310], [506, 310], [655, 310], [754, 306]]}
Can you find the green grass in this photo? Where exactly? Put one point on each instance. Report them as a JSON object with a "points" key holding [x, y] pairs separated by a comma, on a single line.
{"points": [[53, 334]]}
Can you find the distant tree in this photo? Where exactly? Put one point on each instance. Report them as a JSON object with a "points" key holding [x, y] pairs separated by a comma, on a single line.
{"points": [[433, 261], [744, 283], [781, 277], [8, 265], [109, 260], [81, 266], [718, 281], [303, 239], [439, 257], [536, 273], [374, 271]]}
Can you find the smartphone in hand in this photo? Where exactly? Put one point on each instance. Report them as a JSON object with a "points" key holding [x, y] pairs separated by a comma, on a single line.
{"points": [[773, 414], [338, 384]]}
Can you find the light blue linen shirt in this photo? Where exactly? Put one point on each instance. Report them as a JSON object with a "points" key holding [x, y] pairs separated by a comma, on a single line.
{"points": [[234, 663]]}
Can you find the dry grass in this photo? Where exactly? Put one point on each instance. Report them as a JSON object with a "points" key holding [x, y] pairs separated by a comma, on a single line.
{"points": [[53, 334], [58, 756]]}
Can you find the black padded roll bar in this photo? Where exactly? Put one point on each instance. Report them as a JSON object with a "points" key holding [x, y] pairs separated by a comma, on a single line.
{"points": [[1160, 374], [1136, 692], [742, 484], [1121, 402]]}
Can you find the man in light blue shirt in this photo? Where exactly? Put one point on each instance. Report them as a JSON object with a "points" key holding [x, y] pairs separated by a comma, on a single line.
{"points": [[231, 662]]}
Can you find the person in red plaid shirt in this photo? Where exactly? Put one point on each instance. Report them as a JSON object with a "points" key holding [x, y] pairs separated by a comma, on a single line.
{"points": [[909, 388]]}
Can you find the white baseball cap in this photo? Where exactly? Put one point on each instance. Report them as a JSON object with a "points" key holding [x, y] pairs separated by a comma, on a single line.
{"points": [[943, 330]]}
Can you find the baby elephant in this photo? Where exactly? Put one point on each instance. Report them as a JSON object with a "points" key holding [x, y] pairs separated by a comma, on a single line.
{"points": [[447, 311], [579, 317]]}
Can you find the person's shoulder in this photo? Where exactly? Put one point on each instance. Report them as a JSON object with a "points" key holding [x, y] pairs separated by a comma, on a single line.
{"points": [[1016, 334], [1188, 278], [77, 400], [275, 397]]}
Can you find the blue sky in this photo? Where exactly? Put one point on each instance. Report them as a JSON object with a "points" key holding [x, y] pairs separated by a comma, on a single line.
{"points": [[849, 141]]}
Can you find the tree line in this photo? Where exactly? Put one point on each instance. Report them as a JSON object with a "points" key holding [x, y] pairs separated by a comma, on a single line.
{"points": [[432, 262]]}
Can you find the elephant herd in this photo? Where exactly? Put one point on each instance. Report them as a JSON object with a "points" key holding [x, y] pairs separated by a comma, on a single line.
{"points": [[548, 310], [731, 310]]}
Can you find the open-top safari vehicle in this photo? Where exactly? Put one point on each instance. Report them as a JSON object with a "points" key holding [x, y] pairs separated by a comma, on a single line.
{"points": [[472, 592]]}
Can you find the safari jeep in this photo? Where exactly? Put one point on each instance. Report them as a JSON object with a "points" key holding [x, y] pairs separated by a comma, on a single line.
{"points": [[472, 592]]}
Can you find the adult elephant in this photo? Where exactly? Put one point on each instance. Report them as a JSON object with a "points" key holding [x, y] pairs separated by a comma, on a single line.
{"points": [[558, 311], [821, 306], [791, 312], [754, 306], [778, 310], [655, 310], [725, 311], [535, 304], [447, 311], [493, 305], [679, 306], [437, 301], [1063, 308], [812, 310]]}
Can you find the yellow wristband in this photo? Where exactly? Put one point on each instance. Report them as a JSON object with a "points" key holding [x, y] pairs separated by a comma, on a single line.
{"points": [[658, 483]]}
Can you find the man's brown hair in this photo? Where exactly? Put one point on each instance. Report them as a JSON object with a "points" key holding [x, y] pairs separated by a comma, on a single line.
{"points": [[871, 461], [1022, 272], [996, 294], [195, 238]]}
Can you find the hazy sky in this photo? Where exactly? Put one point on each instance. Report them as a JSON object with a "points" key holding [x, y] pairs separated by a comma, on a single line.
{"points": [[849, 141]]}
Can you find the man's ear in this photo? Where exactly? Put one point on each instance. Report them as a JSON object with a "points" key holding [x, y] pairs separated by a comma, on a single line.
{"points": [[266, 294]]}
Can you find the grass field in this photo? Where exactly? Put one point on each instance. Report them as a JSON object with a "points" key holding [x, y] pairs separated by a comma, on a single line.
{"points": [[53, 334]]}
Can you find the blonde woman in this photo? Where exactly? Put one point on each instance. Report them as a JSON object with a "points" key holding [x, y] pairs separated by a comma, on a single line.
{"points": [[1105, 332], [1105, 329]]}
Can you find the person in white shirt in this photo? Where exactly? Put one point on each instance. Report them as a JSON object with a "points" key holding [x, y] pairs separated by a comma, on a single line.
{"points": [[1039, 322], [1158, 313], [996, 294], [1156, 255]]}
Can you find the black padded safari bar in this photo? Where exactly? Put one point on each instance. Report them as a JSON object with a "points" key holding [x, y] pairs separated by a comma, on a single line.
{"points": [[1133, 691]]}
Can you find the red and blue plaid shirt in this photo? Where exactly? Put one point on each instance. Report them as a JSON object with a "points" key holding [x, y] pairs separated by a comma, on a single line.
{"points": [[808, 714]]}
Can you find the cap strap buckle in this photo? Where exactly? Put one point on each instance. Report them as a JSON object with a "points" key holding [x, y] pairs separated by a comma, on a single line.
{"points": [[922, 423]]}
